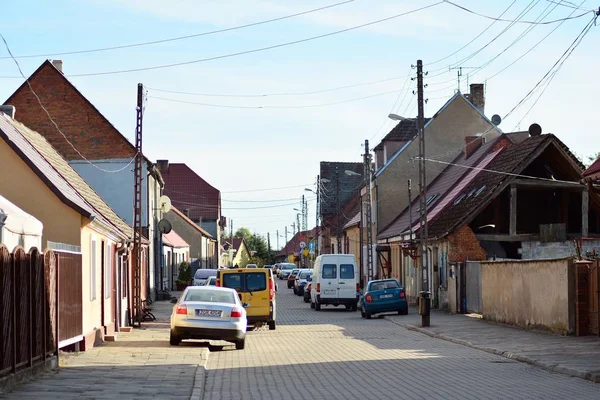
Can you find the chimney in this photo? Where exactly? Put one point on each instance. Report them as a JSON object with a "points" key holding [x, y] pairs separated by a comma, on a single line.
{"points": [[186, 212], [477, 96], [8, 110], [472, 143], [162, 165], [58, 64]]}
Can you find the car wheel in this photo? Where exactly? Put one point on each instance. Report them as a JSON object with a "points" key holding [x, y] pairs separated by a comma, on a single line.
{"points": [[174, 340], [354, 307], [365, 314], [306, 299], [403, 311], [362, 314], [348, 306], [312, 305], [240, 344], [272, 325], [317, 307], [295, 291]]}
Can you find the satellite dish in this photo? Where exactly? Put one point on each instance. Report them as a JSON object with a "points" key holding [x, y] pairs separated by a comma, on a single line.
{"points": [[164, 226], [165, 204], [496, 119], [535, 130]]}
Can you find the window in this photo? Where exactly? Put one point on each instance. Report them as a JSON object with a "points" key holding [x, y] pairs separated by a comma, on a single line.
{"points": [[329, 271], [93, 256], [459, 199], [107, 272], [481, 189], [233, 281], [346, 271], [210, 296], [256, 281], [430, 199]]}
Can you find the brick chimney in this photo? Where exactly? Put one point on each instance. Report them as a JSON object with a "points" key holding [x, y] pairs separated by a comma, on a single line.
{"points": [[58, 64], [472, 143], [162, 165], [477, 96]]}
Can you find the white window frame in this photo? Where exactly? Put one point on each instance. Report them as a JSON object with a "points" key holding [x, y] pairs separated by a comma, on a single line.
{"points": [[107, 271], [93, 269]]}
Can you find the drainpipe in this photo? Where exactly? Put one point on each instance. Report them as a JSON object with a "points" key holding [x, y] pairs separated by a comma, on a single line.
{"points": [[2, 220]]}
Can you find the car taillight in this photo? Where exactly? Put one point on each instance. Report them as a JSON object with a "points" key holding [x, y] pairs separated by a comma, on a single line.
{"points": [[402, 294], [318, 288], [236, 313], [368, 298], [182, 310], [218, 283], [271, 290]]}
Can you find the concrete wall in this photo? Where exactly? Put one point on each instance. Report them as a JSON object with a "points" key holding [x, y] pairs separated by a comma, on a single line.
{"points": [[527, 293], [444, 139], [21, 186], [538, 250]]}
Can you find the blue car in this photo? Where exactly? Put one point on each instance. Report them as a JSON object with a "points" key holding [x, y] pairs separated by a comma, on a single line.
{"points": [[381, 296]]}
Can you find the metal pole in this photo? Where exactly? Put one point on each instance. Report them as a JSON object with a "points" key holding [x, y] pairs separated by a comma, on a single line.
{"points": [[425, 293], [337, 200], [369, 222], [137, 209], [278, 239]]}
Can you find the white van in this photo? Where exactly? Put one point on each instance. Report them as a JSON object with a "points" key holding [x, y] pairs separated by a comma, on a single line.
{"points": [[335, 281]]}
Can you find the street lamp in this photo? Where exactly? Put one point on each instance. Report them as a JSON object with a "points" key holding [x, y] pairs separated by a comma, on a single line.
{"points": [[396, 117], [351, 173]]}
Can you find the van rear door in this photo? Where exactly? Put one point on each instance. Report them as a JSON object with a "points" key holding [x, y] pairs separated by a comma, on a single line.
{"points": [[329, 281], [347, 281]]}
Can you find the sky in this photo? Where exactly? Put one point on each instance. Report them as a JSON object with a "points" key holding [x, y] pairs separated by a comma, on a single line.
{"points": [[257, 125]]}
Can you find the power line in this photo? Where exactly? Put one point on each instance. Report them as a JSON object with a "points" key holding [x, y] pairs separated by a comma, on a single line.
{"points": [[277, 94], [54, 122], [183, 37], [274, 106], [260, 49], [268, 189], [513, 21]]}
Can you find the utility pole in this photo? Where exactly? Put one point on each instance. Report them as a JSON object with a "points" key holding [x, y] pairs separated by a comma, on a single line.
{"points": [[369, 222], [277, 239], [269, 248], [286, 241], [337, 200], [137, 209], [298, 222], [425, 293], [459, 73], [294, 226]]}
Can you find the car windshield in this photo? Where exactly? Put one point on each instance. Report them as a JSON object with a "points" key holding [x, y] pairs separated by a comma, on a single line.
{"points": [[288, 267], [384, 285], [210, 296], [305, 275], [246, 281]]}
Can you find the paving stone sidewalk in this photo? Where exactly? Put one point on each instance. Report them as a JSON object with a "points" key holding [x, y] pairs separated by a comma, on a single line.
{"points": [[140, 364], [574, 356]]}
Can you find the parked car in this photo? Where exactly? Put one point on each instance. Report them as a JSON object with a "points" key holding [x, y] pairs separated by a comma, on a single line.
{"points": [[256, 287], [209, 313], [307, 292], [383, 295], [292, 278], [212, 281], [202, 275], [286, 269], [251, 266], [335, 281], [268, 266], [303, 277]]}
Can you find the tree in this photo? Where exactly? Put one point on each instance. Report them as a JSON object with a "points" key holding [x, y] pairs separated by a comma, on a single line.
{"points": [[255, 242], [243, 232]]}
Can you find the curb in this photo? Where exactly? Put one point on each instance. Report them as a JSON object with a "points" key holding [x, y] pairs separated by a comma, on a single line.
{"points": [[200, 377], [556, 368]]}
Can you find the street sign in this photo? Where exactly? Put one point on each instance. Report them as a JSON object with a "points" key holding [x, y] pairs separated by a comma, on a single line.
{"points": [[302, 245], [305, 252]]}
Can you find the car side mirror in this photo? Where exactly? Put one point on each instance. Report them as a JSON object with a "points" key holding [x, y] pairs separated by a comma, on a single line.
{"points": [[245, 305], [240, 296]]}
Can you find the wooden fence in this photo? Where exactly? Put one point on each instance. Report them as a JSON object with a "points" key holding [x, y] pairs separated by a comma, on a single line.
{"points": [[28, 308]]}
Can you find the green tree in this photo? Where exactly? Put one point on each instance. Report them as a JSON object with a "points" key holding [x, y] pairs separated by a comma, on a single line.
{"points": [[255, 242], [243, 232]]}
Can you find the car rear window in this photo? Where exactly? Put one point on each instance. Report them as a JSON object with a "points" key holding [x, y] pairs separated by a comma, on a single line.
{"points": [[210, 296], [329, 271], [205, 273], [246, 281], [346, 271]]}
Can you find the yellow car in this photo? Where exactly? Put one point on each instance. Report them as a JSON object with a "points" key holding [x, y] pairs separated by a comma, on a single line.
{"points": [[256, 287]]}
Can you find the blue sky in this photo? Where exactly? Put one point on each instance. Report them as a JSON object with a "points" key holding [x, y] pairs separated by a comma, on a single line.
{"points": [[247, 149]]}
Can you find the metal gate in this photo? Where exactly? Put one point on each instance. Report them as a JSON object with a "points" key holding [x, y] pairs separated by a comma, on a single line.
{"points": [[473, 286]]}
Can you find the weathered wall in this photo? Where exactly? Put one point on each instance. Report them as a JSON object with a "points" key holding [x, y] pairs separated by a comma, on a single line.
{"points": [[527, 293], [444, 138], [463, 245], [539, 250]]}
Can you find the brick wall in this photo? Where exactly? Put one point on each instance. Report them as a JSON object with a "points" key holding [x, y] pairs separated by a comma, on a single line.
{"points": [[85, 127], [463, 245]]}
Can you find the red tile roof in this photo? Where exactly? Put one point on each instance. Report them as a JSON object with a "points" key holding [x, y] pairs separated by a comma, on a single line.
{"points": [[187, 190], [593, 169], [293, 246], [172, 239]]}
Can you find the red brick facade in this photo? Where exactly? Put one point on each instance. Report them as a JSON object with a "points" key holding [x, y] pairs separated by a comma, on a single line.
{"points": [[463, 245], [85, 127]]}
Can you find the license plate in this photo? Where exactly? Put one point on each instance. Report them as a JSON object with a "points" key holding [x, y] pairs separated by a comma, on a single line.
{"points": [[386, 296], [208, 313], [329, 292]]}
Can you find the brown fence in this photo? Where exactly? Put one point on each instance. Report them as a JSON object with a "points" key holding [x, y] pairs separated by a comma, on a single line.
{"points": [[70, 294], [28, 308]]}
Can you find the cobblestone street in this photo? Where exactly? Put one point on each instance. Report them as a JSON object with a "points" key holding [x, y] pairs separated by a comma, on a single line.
{"points": [[335, 354]]}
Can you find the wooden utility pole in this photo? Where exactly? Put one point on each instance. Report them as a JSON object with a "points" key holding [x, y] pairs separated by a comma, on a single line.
{"points": [[278, 248], [269, 248], [137, 209], [338, 211]]}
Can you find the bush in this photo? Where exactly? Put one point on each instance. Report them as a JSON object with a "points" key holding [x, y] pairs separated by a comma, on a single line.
{"points": [[185, 274]]}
